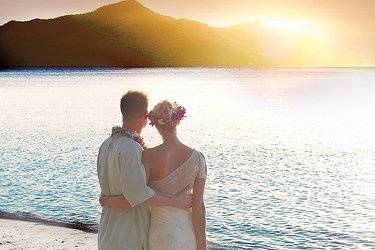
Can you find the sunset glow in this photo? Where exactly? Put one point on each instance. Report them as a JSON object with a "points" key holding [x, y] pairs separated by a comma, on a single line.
{"points": [[289, 25], [339, 30]]}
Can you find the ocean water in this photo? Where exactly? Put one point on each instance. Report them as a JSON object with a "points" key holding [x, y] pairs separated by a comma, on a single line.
{"points": [[290, 152]]}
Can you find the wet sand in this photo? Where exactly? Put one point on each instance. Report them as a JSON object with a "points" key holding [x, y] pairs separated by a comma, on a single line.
{"points": [[17, 234]]}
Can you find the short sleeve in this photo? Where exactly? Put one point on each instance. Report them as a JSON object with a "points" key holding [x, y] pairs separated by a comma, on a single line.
{"points": [[133, 178], [202, 172], [102, 150]]}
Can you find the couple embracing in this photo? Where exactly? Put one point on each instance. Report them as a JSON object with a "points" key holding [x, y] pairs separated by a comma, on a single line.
{"points": [[152, 198]]}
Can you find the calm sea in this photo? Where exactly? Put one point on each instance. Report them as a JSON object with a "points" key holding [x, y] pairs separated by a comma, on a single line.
{"points": [[290, 152]]}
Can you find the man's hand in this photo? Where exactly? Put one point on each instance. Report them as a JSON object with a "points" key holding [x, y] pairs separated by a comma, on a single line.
{"points": [[183, 201], [103, 200]]}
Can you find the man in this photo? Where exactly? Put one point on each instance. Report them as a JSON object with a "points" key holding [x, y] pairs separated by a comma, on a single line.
{"points": [[121, 172]]}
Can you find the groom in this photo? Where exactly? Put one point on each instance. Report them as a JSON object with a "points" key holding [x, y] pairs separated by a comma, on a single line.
{"points": [[121, 172]]}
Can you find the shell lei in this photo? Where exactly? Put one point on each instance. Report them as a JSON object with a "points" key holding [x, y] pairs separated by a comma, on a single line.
{"points": [[127, 132]]}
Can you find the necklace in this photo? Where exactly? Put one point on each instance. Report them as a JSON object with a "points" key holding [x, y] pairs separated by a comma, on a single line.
{"points": [[127, 132]]}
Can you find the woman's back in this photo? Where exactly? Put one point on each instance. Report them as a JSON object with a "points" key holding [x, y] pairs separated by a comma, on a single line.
{"points": [[174, 168], [171, 170]]}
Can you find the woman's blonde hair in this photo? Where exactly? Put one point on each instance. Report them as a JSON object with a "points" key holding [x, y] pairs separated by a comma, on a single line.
{"points": [[166, 114]]}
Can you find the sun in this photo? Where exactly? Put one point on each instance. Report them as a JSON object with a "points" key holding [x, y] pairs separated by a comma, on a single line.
{"points": [[289, 37], [288, 25]]}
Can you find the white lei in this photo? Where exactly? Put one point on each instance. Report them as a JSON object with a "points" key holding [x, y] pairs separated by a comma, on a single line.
{"points": [[127, 132]]}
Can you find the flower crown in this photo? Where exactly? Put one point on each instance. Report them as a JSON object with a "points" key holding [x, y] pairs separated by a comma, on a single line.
{"points": [[167, 116]]}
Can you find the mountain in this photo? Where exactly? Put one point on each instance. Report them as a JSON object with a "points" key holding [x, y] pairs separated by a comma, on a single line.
{"points": [[127, 34]]}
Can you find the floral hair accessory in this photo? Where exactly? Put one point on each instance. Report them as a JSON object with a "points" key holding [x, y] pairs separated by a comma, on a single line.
{"points": [[166, 115]]}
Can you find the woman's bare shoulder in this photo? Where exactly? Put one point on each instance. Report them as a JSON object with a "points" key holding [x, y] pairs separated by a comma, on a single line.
{"points": [[187, 149], [150, 153]]}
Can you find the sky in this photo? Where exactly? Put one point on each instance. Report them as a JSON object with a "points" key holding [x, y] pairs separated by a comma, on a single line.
{"points": [[350, 22], [356, 13]]}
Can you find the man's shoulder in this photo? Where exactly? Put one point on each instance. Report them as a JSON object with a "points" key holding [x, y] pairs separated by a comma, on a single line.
{"points": [[128, 145], [105, 143], [122, 144]]}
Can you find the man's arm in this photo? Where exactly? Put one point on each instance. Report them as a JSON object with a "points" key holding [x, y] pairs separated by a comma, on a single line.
{"points": [[134, 184], [182, 201]]}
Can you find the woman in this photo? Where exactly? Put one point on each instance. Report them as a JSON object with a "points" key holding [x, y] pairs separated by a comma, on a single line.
{"points": [[172, 168]]}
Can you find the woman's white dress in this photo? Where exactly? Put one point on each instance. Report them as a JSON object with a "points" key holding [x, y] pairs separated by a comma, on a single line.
{"points": [[172, 228]]}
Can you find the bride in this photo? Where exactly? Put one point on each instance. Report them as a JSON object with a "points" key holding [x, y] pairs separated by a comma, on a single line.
{"points": [[172, 168]]}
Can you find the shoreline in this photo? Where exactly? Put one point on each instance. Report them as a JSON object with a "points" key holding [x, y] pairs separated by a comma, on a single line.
{"points": [[19, 234], [27, 217], [27, 231]]}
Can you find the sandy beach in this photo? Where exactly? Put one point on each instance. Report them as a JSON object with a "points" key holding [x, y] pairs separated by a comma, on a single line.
{"points": [[16, 234]]}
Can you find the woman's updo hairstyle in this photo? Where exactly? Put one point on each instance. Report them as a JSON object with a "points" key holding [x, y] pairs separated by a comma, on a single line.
{"points": [[166, 114]]}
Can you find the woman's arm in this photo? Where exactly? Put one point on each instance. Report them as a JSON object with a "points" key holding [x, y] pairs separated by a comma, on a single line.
{"points": [[183, 201], [199, 214]]}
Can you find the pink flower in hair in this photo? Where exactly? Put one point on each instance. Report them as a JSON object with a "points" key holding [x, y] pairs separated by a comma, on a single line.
{"points": [[166, 114]]}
